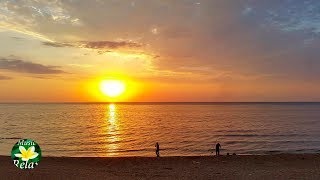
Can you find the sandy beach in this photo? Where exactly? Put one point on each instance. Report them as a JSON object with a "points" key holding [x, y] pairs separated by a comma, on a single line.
{"points": [[286, 166]]}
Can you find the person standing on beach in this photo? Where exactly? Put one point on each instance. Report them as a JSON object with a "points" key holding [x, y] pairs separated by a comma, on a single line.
{"points": [[218, 146], [157, 149]]}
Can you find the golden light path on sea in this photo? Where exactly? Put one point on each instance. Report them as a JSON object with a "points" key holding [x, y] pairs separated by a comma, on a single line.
{"points": [[112, 130]]}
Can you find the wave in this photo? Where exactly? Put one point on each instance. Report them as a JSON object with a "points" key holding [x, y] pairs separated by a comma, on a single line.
{"points": [[260, 135]]}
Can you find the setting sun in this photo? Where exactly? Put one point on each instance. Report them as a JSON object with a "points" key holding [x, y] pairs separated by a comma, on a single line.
{"points": [[112, 88]]}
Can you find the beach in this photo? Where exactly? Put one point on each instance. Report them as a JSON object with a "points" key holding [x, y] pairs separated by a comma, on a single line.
{"points": [[283, 166]]}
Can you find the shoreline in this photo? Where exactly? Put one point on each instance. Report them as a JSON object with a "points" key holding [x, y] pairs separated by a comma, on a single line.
{"points": [[279, 166]]}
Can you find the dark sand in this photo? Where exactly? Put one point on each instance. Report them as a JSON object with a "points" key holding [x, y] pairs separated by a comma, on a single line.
{"points": [[203, 167]]}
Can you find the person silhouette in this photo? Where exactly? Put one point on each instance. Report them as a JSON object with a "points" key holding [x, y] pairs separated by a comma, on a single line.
{"points": [[218, 146], [157, 149]]}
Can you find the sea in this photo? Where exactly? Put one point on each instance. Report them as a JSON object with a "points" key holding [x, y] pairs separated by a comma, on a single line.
{"points": [[181, 129]]}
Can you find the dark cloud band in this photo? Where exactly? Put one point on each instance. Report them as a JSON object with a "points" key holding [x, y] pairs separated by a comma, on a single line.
{"points": [[100, 45], [21, 66]]}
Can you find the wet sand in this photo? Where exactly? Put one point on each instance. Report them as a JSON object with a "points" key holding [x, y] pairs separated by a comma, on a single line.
{"points": [[286, 166]]}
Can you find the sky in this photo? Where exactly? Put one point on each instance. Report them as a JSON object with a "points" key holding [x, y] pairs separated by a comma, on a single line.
{"points": [[164, 50]]}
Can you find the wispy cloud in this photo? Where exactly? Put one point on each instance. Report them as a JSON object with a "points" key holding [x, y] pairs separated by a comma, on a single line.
{"points": [[287, 15], [100, 45], [21, 66], [111, 44], [17, 38], [129, 48], [57, 44]]}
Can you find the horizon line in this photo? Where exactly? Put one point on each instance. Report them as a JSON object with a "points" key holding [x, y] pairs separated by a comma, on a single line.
{"points": [[149, 102]]}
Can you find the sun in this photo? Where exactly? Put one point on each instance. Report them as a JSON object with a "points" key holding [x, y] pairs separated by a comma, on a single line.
{"points": [[112, 88]]}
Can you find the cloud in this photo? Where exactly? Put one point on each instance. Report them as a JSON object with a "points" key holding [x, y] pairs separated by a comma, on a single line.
{"points": [[20, 66], [129, 48], [111, 44], [56, 44], [289, 16], [96, 44], [17, 38], [2, 77]]}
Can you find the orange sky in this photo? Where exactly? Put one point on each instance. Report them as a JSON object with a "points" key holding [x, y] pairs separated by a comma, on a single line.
{"points": [[59, 51]]}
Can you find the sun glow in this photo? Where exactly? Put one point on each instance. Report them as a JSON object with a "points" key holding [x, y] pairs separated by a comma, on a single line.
{"points": [[112, 88]]}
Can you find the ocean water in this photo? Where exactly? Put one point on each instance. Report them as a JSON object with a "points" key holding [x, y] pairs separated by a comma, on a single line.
{"points": [[186, 129]]}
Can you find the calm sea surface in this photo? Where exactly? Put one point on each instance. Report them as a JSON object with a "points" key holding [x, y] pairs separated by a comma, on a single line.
{"points": [[180, 128]]}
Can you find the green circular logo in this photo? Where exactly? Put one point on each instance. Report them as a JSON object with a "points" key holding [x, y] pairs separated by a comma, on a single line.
{"points": [[26, 154]]}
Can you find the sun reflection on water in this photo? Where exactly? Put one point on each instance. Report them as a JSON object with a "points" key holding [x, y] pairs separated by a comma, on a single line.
{"points": [[112, 113], [112, 130]]}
